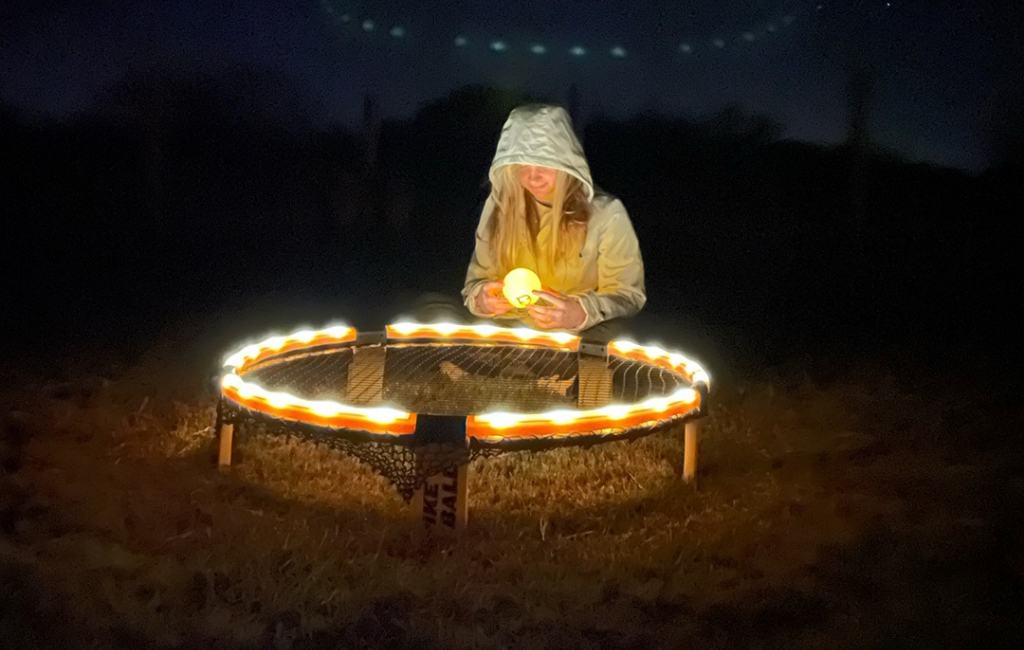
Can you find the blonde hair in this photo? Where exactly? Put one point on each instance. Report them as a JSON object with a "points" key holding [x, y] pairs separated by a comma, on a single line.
{"points": [[516, 221]]}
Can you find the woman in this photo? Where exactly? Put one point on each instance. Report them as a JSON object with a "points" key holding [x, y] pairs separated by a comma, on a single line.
{"points": [[544, 214]]}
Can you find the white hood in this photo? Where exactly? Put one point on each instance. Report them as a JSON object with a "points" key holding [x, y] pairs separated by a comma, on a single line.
{"points": [[542, 135]]}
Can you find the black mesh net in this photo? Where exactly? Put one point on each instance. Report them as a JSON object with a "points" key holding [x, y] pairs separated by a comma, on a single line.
{"points": [[406, 462], [443, 383]]}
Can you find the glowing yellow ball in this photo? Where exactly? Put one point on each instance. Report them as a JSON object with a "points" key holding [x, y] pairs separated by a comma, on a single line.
{"points": [[519, 287]]}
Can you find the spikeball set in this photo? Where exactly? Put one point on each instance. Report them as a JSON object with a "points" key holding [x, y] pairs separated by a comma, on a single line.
{"points": [[418, 402]]}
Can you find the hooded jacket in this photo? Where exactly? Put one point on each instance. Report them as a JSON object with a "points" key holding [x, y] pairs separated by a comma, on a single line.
{"points": [[607, 277]]}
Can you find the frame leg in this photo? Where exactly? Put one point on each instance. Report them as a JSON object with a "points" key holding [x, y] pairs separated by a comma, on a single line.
{"points": [[442, 504], [226, 436], [690, 440], [595, 382]]}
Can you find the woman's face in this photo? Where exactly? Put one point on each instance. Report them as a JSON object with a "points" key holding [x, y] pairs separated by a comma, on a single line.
{"points": [[539, 181]]}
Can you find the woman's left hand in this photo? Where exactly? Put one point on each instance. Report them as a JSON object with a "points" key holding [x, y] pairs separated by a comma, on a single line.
{"points": [[564, 312]]}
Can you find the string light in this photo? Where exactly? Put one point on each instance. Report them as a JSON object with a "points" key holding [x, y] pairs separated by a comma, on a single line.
{"points": [[501, 46]]}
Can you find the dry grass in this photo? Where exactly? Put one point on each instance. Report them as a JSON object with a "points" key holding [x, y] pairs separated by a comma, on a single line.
{"points": [[825, 517]]}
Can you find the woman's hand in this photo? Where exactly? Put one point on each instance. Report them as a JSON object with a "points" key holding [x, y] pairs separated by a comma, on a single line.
{"points": [[490, 301], [564, 313]]}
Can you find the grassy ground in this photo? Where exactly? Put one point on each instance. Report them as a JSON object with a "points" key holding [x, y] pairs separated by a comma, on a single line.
{"points": [[861, 511]]}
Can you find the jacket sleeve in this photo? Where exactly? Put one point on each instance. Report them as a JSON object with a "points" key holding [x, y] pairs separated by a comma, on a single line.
{"points": [[620, 292], [482, 267]]}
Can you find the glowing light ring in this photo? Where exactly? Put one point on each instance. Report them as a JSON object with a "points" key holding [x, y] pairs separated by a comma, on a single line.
{"points": [[486, 428], [500, 426], [483, 334], [671, 361], [242, 360], [330, 414]]}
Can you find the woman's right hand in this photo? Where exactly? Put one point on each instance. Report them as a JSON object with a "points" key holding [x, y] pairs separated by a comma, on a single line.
{"points": [[490, 301]]}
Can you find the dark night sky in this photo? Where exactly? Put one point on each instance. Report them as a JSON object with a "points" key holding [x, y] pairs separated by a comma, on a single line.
{"points": [[943, 71]]}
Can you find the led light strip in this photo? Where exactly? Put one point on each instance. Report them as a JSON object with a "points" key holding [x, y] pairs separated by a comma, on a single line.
{"points": [[490, 427], [671, 361], [287, 406], [687, 46], [251, 354], [497, 426], [375, 419], [484, 334]]}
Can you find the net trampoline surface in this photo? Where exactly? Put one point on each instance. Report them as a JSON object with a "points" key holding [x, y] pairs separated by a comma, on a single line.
{"points": [[417, 401]]}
